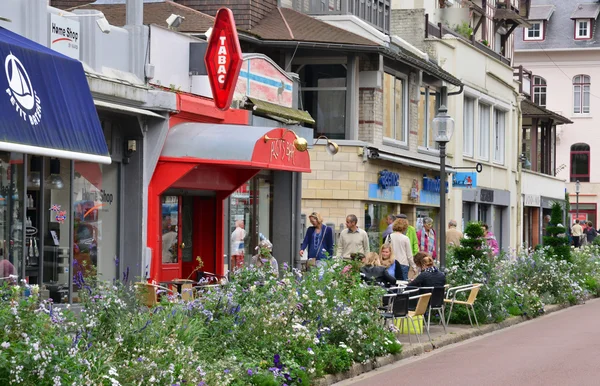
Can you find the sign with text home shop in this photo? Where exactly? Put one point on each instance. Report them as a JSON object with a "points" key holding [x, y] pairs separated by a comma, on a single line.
{"points": [[223, 59], [64, 36]]}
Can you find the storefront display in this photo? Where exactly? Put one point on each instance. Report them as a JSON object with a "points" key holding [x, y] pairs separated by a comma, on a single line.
{"points": [[11, 213]]}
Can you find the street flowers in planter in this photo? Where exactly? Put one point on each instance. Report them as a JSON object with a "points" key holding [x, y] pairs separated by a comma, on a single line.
{"points": [[256, 330]]}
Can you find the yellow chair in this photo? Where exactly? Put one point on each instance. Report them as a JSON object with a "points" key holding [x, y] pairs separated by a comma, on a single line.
{"points": [[186, 288], [419, 311], [147, 293], [451, 298]]}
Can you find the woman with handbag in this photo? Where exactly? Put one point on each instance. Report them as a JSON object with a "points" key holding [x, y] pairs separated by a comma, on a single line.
{"points": [[318, 241]]}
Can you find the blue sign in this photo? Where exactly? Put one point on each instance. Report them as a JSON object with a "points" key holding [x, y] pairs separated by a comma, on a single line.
{"points": [[387, 179], [46, 103], [464, 180], [430, 198], [432, 184], [390, 194]]}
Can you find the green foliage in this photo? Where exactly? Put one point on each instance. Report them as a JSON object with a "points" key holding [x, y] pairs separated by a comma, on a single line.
{"points": [[256, 330], [464, 29], [556, 238]]}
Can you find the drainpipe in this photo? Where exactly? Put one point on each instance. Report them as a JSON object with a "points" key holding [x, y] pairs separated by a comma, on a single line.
{"points": [[138, 37], [520, 98]]}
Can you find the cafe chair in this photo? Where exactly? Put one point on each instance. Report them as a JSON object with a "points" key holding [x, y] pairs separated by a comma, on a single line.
{"points": [[387, 302], [147, 293], [473, 290], [420, 309], [186, 288], [436, 303], [399, 311]]}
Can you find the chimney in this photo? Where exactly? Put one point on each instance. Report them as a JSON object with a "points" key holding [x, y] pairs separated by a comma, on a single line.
{"points": [[248, 13]]}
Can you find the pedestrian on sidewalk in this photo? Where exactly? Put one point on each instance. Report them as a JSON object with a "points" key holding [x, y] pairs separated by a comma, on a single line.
{"points": [[453, 235], [427, 238], [590, 233], [402, 249], [318, 240], [237, 245], [490, 240], [577, 233], [388, 231], [352, 239], [411, 233]]}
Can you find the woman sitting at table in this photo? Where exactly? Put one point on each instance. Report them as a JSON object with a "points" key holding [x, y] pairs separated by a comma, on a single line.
{"points": [[430, 276], [264, 259], [373, 271], [387, 260]]}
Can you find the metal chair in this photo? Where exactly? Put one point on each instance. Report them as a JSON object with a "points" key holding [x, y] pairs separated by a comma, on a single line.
{"points": [[473, 291], [436, 303], [387, 303]]}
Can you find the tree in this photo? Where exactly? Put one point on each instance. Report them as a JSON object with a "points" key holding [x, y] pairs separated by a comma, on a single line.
{"points": [[556, 236], [472, 245]]}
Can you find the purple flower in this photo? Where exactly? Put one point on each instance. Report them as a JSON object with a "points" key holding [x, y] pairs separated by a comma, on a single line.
{"points": [[140, 359], [250, 372], [227, 371]]}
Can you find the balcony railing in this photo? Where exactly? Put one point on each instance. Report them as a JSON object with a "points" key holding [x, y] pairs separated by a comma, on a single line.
{"points": [[440, 30], [375, 12], [525, 78]]}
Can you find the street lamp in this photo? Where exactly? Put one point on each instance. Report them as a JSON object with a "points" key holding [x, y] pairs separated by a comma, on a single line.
{"points": [[443, 128], [577, 190]]}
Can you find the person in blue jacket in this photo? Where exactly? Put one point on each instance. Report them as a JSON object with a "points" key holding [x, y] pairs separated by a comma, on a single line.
{"points": [[318, 240]]}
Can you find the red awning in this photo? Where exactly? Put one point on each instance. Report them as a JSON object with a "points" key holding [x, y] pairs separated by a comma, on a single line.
{"points": [[235, 146]]}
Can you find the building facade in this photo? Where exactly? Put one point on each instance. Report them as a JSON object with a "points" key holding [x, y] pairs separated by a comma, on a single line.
{"points": [[561, 49]]}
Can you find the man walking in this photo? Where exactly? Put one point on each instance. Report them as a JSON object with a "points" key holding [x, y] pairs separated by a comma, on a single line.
{"points": [[352, 239], [453, 235], [576, 232], [388, 231]]}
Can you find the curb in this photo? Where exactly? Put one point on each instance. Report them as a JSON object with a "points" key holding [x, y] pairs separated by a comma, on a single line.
{"points": [[418, 349]]}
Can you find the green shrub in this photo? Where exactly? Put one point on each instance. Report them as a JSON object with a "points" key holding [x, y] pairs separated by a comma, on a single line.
{"points": [[556, 237]]}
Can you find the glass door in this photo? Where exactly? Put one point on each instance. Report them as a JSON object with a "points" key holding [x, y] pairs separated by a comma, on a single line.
{"points": [[171, 236]]}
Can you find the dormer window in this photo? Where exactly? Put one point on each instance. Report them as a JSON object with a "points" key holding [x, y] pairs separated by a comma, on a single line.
{"points": [[583, 29], [535, 32]]}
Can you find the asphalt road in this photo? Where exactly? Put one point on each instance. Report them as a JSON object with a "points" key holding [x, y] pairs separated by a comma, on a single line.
{"points": [[562, 348]]}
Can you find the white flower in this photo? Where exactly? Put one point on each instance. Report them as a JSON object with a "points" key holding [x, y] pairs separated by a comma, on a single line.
{"points": [[5, 345]]}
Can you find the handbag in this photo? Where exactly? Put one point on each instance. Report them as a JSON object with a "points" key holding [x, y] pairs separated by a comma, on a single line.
{"points": [[324, 230]]}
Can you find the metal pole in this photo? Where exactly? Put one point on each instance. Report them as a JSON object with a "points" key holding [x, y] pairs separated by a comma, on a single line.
{"points": [[442, 238], [577, 210]]}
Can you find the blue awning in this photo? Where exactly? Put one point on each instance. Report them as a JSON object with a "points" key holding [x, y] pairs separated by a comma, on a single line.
{"points": [[46, 107]]}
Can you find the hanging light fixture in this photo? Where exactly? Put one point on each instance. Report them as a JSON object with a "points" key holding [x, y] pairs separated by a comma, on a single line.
{"points": [[54, 180], [34, 177]]}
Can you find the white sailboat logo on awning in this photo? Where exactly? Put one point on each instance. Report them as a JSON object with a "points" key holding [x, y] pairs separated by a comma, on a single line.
{"points": [[22, 95]]}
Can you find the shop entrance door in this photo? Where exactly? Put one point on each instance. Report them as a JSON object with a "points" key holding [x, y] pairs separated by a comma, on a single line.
{"points": [[172, 244]]}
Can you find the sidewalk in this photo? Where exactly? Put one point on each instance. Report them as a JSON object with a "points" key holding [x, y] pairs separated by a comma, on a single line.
{"points": [[455, 333]]}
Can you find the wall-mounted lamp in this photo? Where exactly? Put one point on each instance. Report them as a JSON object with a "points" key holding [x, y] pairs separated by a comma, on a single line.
{"points": [[34, 178], [54, 180], [174, 21], [332, 147], [130, 149], [299, 143]]}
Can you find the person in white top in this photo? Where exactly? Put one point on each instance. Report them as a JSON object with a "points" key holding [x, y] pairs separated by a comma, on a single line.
{"points": [[401, 247], [577, 232], [237, 245]]}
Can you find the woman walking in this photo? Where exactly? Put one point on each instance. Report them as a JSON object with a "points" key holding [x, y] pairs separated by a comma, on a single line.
{"points": [[318, 240], [402, 249]]}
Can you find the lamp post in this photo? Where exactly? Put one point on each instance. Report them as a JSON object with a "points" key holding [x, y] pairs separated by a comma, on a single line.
{"points": [[577, 190], [443, 128]]}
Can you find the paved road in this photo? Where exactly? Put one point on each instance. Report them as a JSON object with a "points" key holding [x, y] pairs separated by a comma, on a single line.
{"points": [[562, 348]]}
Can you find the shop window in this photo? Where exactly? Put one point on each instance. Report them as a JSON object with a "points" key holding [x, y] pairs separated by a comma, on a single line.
{"points": [[468, 126], [428, 106], [539, 91], [583, 29], [484, 131], [96, 218], [580, 162], [581, 94], [376, 223], [535, 32], [12, 209], [499, 135], [395, 105], [323, 88]]}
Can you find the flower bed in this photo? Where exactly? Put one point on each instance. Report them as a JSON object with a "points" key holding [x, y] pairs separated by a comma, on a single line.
{"points": [[256, 330]]}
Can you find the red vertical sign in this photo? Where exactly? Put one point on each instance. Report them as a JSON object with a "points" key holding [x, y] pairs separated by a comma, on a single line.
{"points": [[223, 58]]}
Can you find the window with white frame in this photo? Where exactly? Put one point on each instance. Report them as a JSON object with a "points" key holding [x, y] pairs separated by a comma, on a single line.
{"points": [[484, 131], [539, 91], [395, 126], [581, 94], [536, 32], [428, 106], [468, 126], [499, 135], [583, 29]]}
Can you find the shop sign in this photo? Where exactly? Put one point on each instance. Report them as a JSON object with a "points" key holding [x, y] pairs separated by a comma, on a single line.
{"points": [[223, 59], [387, 179], [486, 195], [432, 184], [262, 79], [64, 36], [393, 193], [464, 180], [532, 200]]}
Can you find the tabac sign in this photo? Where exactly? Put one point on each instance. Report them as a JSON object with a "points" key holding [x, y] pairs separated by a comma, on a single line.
{"points": [[223, 59]]}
